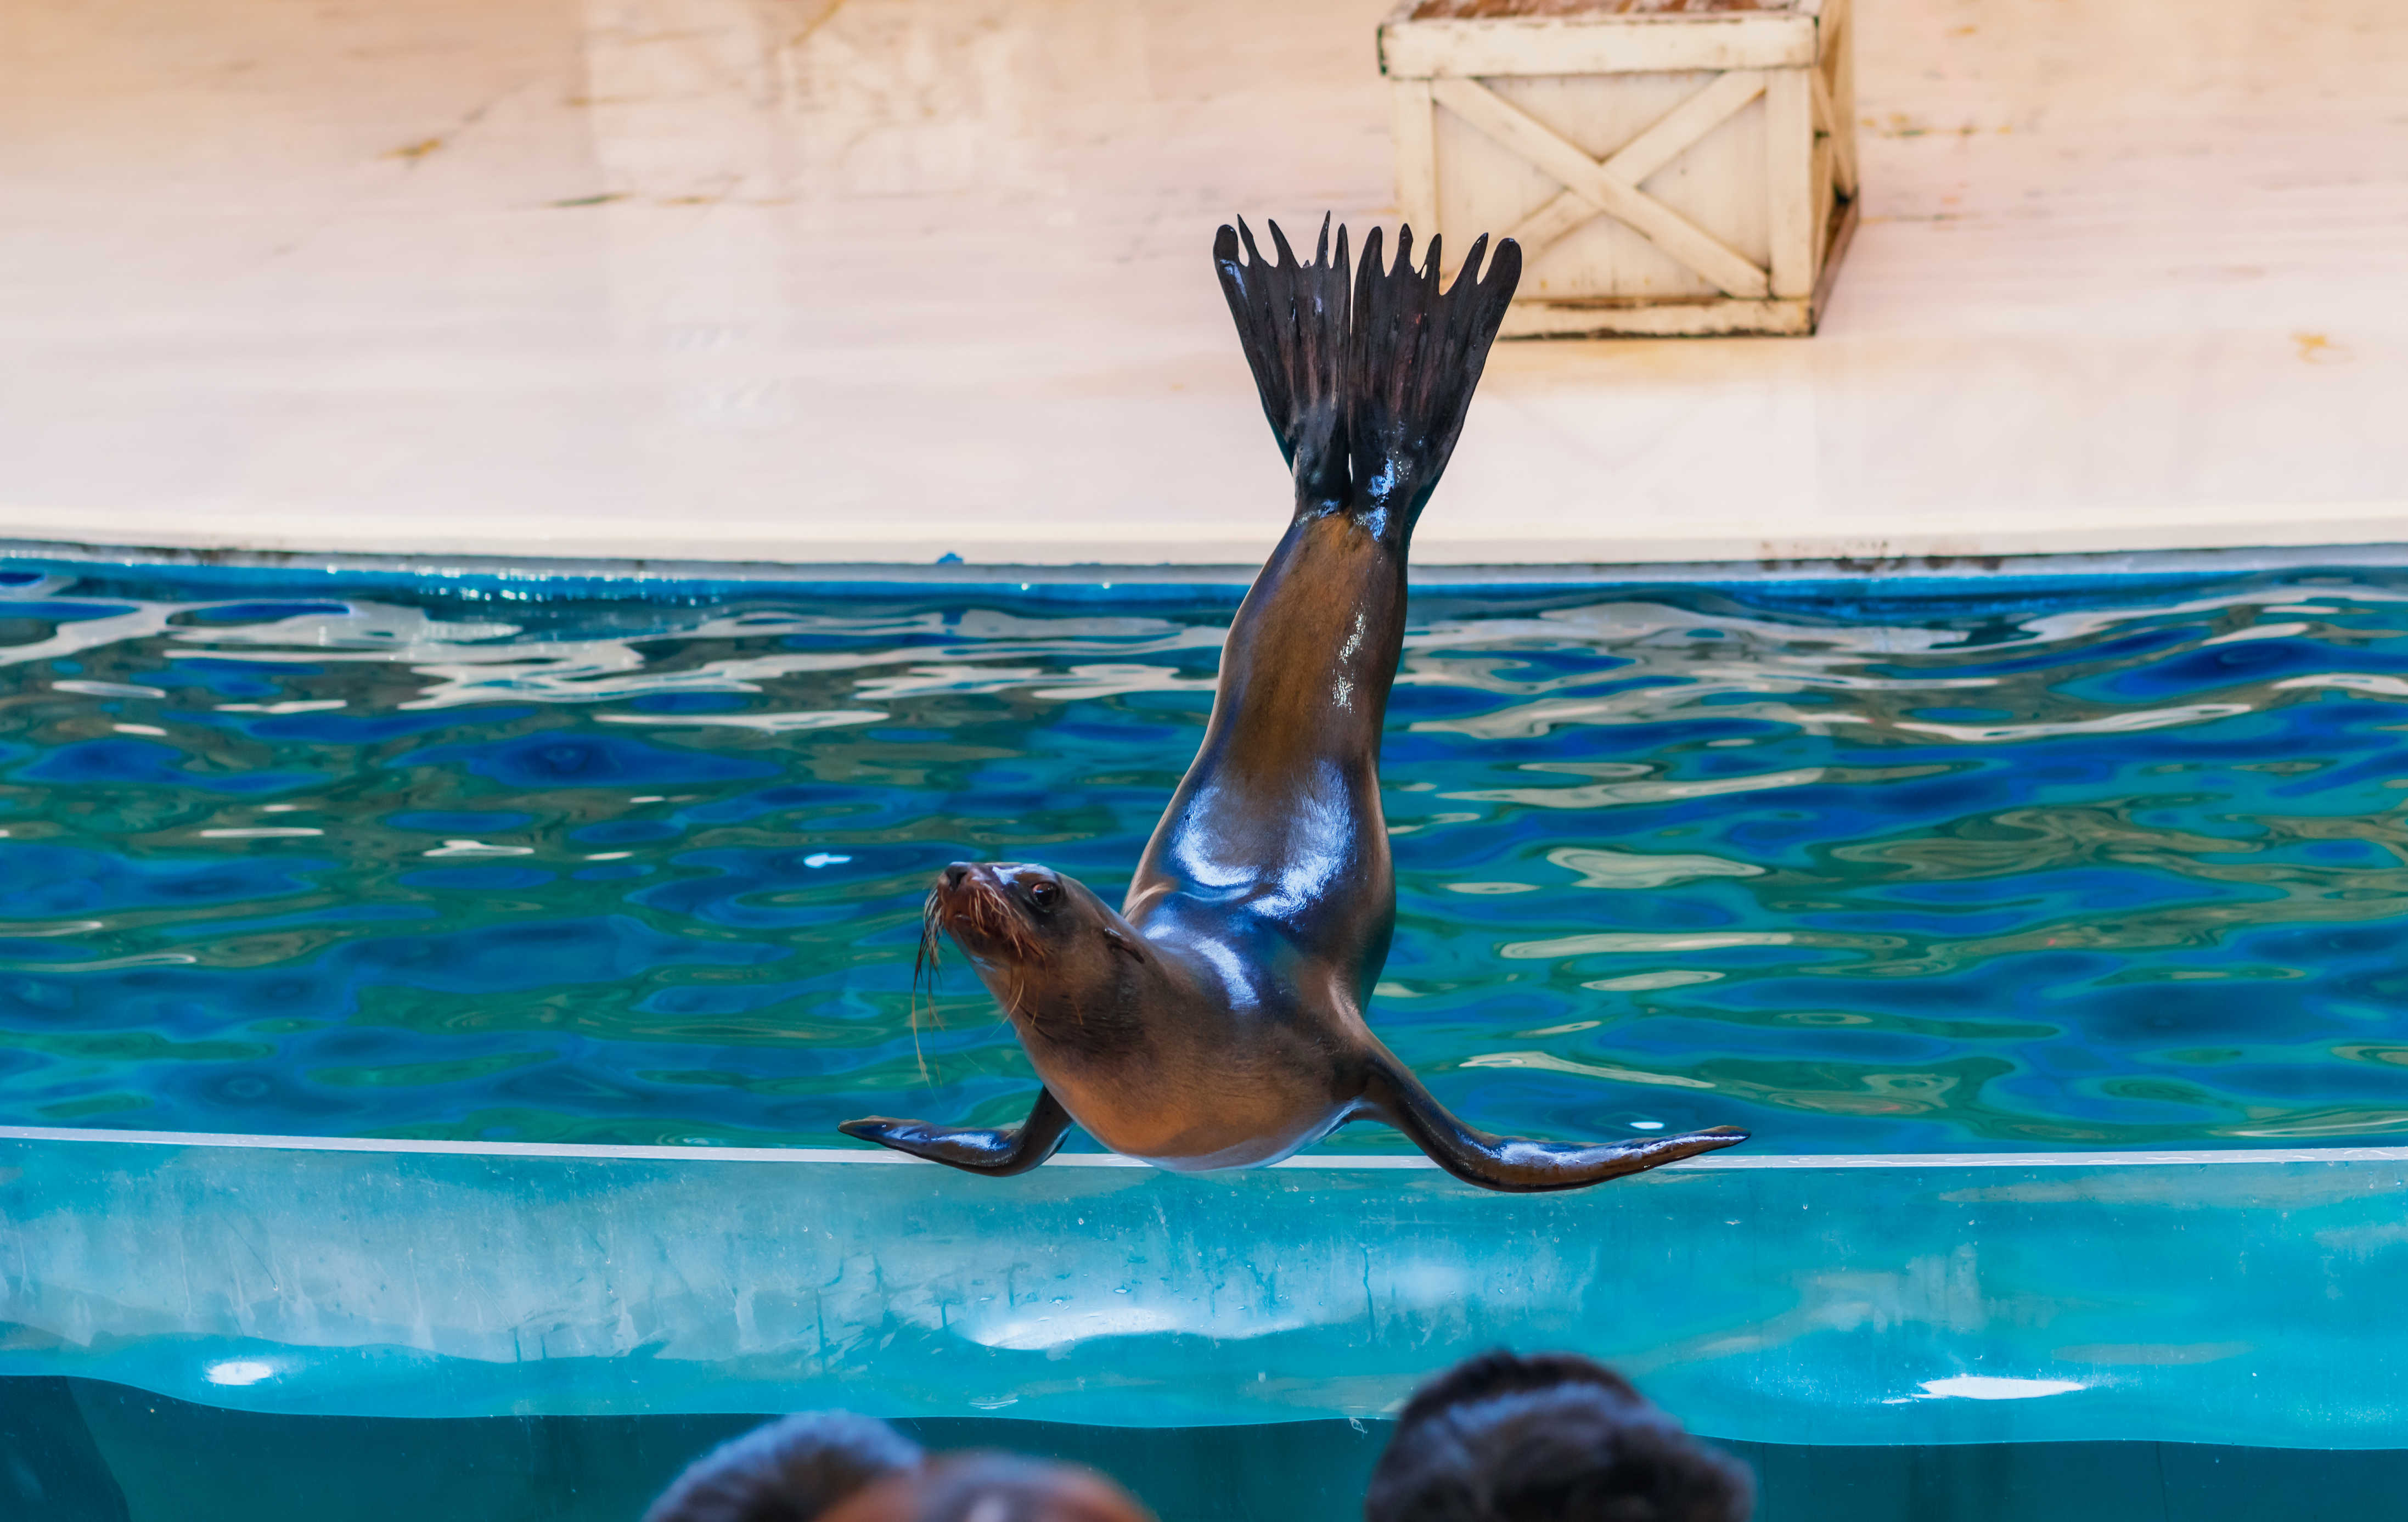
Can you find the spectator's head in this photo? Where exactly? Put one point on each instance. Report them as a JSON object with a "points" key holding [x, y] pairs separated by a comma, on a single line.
{"points": [[993, 1487], [791, 1470], [1555, 1438]]}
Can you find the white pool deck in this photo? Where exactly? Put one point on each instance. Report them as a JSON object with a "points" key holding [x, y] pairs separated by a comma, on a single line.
{"points": [[878, 281]]}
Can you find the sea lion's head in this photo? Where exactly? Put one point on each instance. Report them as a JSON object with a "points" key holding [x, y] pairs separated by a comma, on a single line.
{"points": [[1054, 956]]}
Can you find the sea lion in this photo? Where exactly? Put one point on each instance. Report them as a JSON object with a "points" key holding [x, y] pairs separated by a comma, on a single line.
{"points": [[1217, 1020]]}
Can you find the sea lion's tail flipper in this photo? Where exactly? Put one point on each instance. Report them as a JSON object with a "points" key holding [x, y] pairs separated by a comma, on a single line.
{"points": [[1413, 359], [1511, 1164], [1366, 379], [1292, 318], [972, 1149]]}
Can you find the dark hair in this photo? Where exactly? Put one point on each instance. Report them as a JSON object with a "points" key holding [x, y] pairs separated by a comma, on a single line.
{"points": [[790, 1470], [1486, 1375], [1006, 1487], [1554, 1438]]}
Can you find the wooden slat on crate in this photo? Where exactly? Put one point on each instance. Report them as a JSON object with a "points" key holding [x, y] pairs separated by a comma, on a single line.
{"points": [[1563, 45], [1685, 123], [1652, 149], [1843, 144], [1836, 69], [1789, 174], [1576, 171], [1656, 318]]}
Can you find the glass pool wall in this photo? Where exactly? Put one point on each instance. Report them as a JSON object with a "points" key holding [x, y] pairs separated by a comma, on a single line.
{"points": [[425, 1007], [215, 1329], [103, 1453]]}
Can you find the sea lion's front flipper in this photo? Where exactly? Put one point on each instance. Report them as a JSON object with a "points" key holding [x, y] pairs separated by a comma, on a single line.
{"points": [[969, 1148], [1510, 1163]]}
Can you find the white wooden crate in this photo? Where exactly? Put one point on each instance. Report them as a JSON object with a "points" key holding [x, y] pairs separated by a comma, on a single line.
{"points": [[1669, 166]]}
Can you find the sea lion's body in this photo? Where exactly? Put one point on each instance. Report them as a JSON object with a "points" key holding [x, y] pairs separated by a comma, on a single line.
{"points": [[1217, 1020], [1268, 884]]}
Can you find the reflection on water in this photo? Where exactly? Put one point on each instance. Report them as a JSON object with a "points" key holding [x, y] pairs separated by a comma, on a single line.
{"points": [[1998, 865]]}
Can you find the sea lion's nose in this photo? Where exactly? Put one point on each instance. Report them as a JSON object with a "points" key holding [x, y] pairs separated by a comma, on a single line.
{"points": [[955, 874]]}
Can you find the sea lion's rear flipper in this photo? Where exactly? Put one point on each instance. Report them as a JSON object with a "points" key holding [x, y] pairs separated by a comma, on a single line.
{"points": [[972, 1149], [1292, 318], [1366, 388], [1413, 359], [1510, 1163]]}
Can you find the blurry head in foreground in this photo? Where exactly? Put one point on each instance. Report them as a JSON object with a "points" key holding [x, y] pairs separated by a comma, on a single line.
{"points": [[993, 1487], [790, 1470], [1554, 1438]]}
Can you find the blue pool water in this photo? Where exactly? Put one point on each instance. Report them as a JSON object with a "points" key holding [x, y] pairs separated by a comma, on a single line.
{"points": [[1971, 864], [426, 1006]]}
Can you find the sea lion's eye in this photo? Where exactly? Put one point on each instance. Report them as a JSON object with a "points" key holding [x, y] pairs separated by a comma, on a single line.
{"points": [[1043, 894]]}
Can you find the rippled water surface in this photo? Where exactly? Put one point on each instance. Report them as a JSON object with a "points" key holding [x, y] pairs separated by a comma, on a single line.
{"points": [[1967, 863]]}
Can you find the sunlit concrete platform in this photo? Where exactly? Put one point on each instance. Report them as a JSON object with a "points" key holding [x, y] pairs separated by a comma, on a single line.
{"points": [[881, 281]]}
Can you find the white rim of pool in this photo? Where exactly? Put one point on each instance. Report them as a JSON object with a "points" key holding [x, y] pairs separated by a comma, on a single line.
{"points": [[1713, 1162]]}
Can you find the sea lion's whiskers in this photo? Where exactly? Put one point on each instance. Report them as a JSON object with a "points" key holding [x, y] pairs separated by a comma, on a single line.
{"points": [[997, 920], [924, 965], [981, 909]]}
